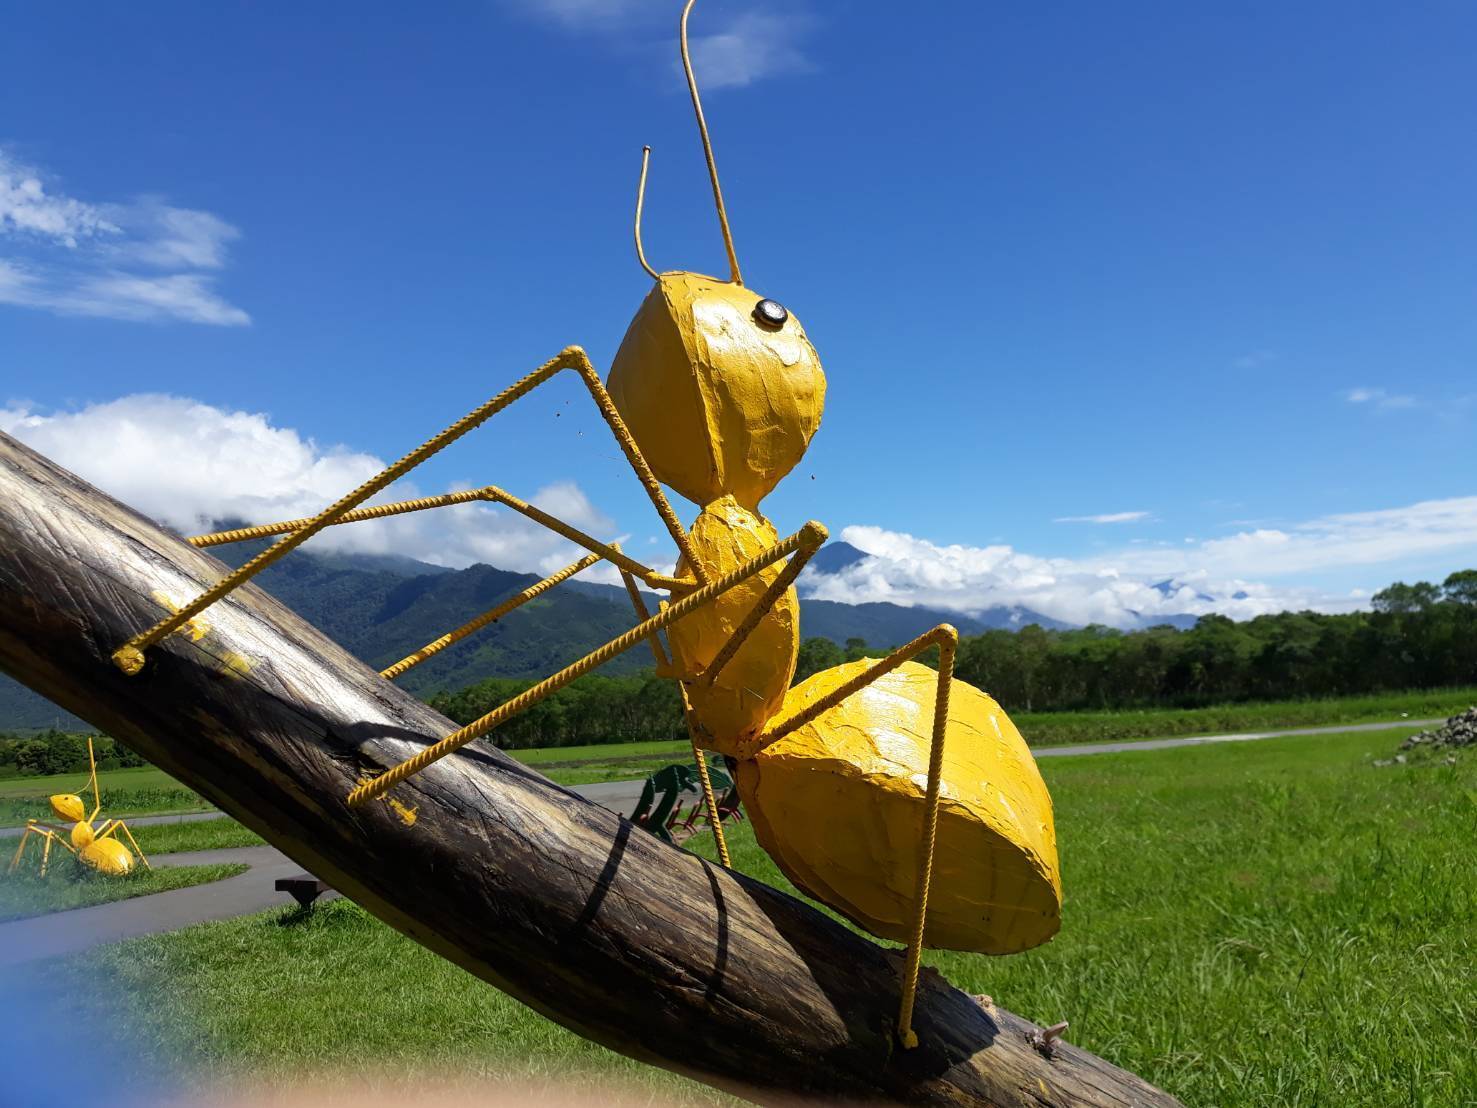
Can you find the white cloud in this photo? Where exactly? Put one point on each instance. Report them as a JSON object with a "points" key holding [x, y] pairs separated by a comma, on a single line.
{"points": [[749, 48], [75, 258], [1107, 517], [1142, 583], [242, 467], [25, 207], [754, 46], [1379, 398], [602, 15], [1254, 359]]}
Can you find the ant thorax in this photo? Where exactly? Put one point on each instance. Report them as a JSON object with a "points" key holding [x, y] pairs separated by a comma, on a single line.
{"points": [[722, 391], [750, 688]]}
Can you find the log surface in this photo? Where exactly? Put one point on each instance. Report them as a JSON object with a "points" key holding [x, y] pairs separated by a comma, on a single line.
{"points": [[618, 936]]}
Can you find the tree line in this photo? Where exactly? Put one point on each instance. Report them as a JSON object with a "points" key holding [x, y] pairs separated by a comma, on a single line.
{"points": [[1419, 636], [60, 752], [1416, 636]]}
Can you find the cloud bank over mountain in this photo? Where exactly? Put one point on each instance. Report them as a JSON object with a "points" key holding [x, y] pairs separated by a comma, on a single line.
{"points": [[190, 464]]}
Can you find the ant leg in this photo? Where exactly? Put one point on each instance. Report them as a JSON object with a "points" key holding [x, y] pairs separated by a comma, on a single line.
{"points": [[664, 665], [770, 598], [42, 831], [811, 535], [492, 615], [947, 640], [492, 494], [134, 843], [130, 658], [15, 859], [48, 838]]}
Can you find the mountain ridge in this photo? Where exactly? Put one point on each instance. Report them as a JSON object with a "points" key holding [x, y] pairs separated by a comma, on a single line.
{"points": [[382, 607]]}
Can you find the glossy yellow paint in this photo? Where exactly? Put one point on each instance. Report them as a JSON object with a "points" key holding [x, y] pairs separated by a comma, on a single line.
{"points": [[839, 805], [717, 392], [751, 687], [68, 806], [108, 856], [82, 834], [718, 401], [97, 846]]}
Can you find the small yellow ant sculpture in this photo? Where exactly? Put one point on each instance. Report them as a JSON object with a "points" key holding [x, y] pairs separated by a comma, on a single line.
{"points": [[901, 797], [95, 847]]}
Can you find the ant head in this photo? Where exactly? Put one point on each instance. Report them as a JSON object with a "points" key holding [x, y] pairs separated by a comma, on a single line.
{"points": [[719, 386], [717, 383], [68, 806]]}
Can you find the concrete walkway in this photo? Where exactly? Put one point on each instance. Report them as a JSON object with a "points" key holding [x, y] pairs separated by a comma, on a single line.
{"points": [[1245, 736], [26, 940]]}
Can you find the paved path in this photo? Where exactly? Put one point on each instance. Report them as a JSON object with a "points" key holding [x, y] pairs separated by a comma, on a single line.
{"points": [[68, 932], [1245, 736]]}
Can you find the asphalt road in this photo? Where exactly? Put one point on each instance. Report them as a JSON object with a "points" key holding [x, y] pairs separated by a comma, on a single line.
{"points": [[27, 940], [1241, 737]]}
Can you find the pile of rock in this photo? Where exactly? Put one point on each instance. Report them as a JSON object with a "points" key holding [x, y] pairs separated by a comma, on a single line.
{"points": [[1460, 730]]}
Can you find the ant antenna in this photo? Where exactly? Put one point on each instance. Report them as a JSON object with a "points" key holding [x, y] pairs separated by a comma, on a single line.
{"points": [[702, 126], [640, 199]]}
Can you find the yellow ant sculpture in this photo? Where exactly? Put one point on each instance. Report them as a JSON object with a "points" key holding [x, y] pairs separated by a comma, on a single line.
{"points": [[900, 796], [95, 847]]}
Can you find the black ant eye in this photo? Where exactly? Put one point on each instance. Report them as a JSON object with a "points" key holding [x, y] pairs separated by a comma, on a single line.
{"points": [[771, 313]]}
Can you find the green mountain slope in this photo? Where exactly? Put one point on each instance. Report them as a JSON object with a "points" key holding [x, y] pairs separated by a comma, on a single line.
{"points": [[382, 608]]}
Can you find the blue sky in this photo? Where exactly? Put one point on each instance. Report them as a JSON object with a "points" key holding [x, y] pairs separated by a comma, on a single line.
{"points": [[1204, 274]]}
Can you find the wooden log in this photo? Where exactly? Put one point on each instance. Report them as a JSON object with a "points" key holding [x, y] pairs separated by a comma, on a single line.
{"points": [[622, 938]]}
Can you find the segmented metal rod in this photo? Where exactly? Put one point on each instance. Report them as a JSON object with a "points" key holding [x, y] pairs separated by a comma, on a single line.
{"points": [[492, 615], [358, 515], [663, 664], [812, 534], [130, 656]]}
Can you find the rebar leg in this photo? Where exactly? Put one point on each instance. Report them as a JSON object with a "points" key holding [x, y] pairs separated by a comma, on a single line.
{"points": [[946, 638], [130, 657], [811, 535], [664, 665]]}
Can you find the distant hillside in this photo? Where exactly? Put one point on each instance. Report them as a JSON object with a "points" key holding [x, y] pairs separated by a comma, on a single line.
{"points": [[381, 608]]}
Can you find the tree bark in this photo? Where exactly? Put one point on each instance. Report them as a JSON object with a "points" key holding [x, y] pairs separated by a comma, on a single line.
{"points": [[597, 925]]}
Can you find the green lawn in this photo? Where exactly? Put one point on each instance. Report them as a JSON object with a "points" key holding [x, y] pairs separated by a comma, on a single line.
{"points": [[582, 765], [1263, 923], [208, 834], [1053, 728], [538, 756], [69, 885], [126, 792], [124, 780]]}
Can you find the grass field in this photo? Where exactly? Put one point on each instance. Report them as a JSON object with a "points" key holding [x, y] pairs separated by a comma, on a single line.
{"points": [[69, 885], [143, 778], [1058, 728], [582, 765], [1271, 923], [147, 790], [210, 834], [126, 792]]}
